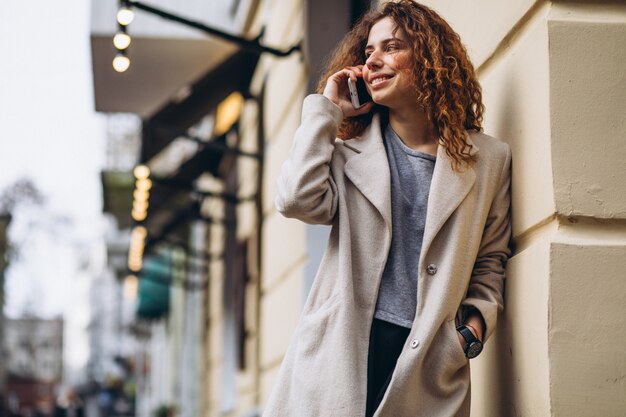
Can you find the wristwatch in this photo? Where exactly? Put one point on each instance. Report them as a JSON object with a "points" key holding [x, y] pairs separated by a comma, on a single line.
{"points": [[473, 346]]}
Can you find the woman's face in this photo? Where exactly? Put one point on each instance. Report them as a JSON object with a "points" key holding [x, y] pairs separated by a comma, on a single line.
{"points": [[387, 71]]}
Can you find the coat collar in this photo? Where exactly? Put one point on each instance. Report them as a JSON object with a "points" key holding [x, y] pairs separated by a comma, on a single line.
{"points": [[368, 170]]}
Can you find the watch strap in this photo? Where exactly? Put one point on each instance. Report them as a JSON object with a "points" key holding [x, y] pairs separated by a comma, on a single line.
{"points": [[467, 334], [474, 346]]}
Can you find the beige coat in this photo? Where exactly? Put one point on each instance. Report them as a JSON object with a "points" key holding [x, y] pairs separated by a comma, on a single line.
{"points": [[464, 251]]}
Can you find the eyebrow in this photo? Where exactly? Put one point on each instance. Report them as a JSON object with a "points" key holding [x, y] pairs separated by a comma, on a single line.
{"points": [[384, 42]]}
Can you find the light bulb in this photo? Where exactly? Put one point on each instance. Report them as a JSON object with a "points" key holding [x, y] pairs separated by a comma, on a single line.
{"points": [[121, 40], [141, 172], [134, 266], [121, 63], [139, 215], [143, 184], [131, 287], [125, 16], [140, 205], [140, 231], [141, 195]]}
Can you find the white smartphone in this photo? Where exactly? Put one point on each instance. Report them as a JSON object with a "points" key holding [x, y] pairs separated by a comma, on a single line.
{"points": [[358, 93]]}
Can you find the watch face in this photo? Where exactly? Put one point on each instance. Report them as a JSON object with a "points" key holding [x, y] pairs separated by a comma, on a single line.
{"points": [[474, 349]]}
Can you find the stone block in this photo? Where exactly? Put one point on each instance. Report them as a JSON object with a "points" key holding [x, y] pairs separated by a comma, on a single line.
{"points": [[285, 23], [588, 86], [268, 377], [245, 379], [277, 151], [587, 333], [215, 382], [245, 403], [216, 291], [284, 247], [215, 343], [511, 376], [516, 92], [482, 24], [251, 314], [280, 311], [286, 85]]}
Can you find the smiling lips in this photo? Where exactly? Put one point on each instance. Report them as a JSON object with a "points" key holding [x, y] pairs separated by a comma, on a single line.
{"points": [[377, 79]]}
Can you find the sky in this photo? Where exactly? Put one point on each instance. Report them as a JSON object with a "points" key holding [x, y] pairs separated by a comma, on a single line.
{"points": [[51, 134]]}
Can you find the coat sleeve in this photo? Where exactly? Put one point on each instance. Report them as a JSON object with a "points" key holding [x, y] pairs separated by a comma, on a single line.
{"points": [[306, 189], [485, 292]]}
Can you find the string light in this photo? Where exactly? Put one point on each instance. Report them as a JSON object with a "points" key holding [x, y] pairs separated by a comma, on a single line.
{"points": [[141, 172], [140, 205], [131, 287], [125, 16], [137, 242], [140, 231], [139, 215], [121, 62], [141, 194], [228, 112], [121, 41], [143, 184]]}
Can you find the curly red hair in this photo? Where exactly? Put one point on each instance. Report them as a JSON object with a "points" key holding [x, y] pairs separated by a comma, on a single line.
{"points": [[444, 76]]}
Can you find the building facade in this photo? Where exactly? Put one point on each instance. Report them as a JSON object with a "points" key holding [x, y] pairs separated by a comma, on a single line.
{"points": [[33, 362], [5, 219], [553, 84]]}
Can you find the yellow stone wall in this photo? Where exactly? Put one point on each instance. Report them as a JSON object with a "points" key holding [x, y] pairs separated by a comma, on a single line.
{"points": [[283, 241], [554, 83], [274, 294]]}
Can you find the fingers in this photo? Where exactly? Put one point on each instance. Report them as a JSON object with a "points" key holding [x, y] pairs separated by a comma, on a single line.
{"points": [[355, 72], [342, 75], [348, 72], [337, 90]]}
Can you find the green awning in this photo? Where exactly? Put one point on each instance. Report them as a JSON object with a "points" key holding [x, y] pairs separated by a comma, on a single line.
{"points": [[117, 195], [154, 288]]}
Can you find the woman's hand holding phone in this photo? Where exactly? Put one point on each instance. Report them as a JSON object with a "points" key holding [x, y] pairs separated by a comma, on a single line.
{"points": [[338, 92]]}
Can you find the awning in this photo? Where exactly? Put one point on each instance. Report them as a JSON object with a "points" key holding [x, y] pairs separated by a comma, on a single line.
{"points": [[171, 202], [154, 288], [117, 195], [161, 70], [233, 74]]}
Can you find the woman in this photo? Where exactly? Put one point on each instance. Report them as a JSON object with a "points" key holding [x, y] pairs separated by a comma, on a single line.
{"points": [[418, 198]]}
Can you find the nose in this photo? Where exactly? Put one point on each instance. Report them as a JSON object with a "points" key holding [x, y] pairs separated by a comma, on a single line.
{"points": [[373, 61]]}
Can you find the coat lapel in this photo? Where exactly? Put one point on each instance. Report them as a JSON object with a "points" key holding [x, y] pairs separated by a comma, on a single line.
{"points": [[448, 189], [369, 169]]}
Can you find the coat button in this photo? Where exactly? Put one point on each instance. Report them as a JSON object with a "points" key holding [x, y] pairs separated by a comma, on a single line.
{"points": [[431, 269], [415, 343]]}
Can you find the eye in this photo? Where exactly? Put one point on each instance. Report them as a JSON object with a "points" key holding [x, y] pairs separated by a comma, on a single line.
{"points": [[391, 47]]}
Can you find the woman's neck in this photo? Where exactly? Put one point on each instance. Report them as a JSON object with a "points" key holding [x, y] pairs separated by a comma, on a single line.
{"points": [[412, 126]]}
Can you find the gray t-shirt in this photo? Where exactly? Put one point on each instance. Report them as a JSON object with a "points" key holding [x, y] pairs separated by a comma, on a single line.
{"points": [[411, 174]]}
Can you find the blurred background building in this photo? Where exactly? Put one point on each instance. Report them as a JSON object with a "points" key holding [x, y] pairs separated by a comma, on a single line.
{"points": [[198, 283], [4, 223], [33, 364], [190, 207]]}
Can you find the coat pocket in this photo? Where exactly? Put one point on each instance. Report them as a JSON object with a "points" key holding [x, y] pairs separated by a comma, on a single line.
{"points": [[318, 342], [453, 340], [445, 363], [314, 324]]}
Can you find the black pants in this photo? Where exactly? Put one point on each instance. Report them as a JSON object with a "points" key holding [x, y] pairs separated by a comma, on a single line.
{"points": [[386, 342]]}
